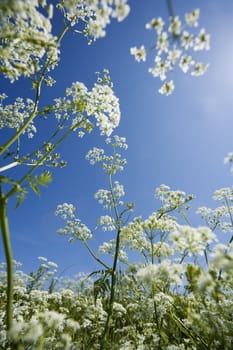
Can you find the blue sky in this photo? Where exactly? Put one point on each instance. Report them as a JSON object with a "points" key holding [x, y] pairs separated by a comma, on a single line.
{"points": [[179, 140]]}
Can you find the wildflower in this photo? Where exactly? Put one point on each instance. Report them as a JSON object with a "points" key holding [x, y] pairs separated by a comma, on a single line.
{"points": [[199, 69], [185, 63], [160, 68], [222, 257], [107, 223], [202, 41], [121, 10], [162, 43], [175, 26], [192, 18], [192, 240], [156, 23], [186, 40], [167, 88], [139, 53], [95, 15], [168, 40], [27, 39], [74, 227]]}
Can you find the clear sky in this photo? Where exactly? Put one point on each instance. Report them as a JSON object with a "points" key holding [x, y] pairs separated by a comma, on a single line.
{"points": [[179, 140]]}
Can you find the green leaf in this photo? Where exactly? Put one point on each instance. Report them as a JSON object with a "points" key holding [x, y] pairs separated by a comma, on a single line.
{"points": [[44, 179], [102, 284], [20, 197], [33, 185]]}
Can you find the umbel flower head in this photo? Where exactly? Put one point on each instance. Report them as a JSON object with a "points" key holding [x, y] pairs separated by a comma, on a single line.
{"points": [[175, 47]]}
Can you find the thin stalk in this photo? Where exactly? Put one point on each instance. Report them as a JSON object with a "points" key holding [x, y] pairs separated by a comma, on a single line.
{"points": [[114, 267], [151, 238], [170, 8], [9, 258], [95, 257], [206, 257], [184, 216], [112, 290]]}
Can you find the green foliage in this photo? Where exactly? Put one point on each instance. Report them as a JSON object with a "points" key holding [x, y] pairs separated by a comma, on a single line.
{"points": [[101, 285]]}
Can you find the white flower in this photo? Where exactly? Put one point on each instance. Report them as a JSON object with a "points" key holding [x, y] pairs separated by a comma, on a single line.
{"points": [[138, 53], [171, 38], [173, 56], [185, 63], [190, 239], [192, 18], [74, 228], [199, 69], [162, 43], [202, 41], [167, 88], [94, 14], [121, 10], [156, 23], [165, 272], [107, 223], [118, 308], [222, 256], [160, 69], [186, 40], [223, 193], [26, 39], [175, 26]]}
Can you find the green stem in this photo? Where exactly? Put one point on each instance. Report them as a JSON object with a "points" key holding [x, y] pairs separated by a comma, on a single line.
{"points": [[170, 8], [114, 267], [151, 238], [112, 290], [95, 257], [9, 258]]}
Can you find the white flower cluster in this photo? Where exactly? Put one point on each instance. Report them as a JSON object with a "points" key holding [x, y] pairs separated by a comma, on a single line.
{"points": [[107, 223], [172, 199], [13, 116], [220, 217], [95, 14], [167, 272], [110, 164], [190, 240], [107, 247], [137, 235], [26, 37], [105, 108], [111, 198], [222, 257], [173, 48], [223, 194], [100, 102], [134, 236], [73, 228], [212, 217]]}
